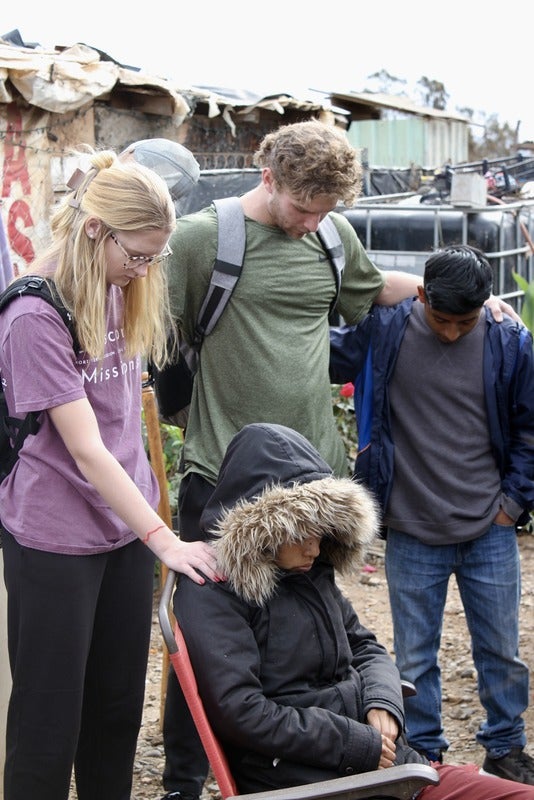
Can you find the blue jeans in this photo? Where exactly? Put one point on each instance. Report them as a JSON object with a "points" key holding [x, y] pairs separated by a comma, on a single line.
{"points": [[488, 575]]}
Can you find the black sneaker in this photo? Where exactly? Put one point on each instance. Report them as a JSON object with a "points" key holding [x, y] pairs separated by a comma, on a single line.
{"points": [[431, 755], [179, 796], [515, 766]]}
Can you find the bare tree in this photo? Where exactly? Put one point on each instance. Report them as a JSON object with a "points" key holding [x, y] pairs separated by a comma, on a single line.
{"points": [[495, 139], [386, 83], [433, 93]]}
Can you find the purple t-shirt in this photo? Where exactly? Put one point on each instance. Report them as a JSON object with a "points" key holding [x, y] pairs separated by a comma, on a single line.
{"points": [[45, 502]]}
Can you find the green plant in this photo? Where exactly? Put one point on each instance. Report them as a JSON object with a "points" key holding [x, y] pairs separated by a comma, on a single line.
{"points": [[343, 406], [527, 306], [172, 441]]}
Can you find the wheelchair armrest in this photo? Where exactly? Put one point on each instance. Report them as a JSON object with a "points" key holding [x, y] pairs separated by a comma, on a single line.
{"points": [[408, 689], [400, 783], [164, 615]]}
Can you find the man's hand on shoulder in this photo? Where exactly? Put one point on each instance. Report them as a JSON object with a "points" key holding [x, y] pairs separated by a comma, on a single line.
{"points": [[498, 307]]}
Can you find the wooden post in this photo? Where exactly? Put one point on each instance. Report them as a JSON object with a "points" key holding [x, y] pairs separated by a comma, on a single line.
{"points": [[155, 450]]}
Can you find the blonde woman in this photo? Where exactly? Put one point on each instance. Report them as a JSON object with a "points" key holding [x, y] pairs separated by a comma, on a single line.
{"points": [[80, 532]]}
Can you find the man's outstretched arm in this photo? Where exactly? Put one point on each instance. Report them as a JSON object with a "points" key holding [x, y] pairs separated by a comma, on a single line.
{"points": [[400, 285]]}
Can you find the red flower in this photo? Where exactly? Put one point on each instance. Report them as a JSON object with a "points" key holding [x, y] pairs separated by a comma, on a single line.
{"points": [[347, 390]]}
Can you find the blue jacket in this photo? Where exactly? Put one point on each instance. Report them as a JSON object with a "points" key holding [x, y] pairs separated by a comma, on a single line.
{"points": [[366, 355]]}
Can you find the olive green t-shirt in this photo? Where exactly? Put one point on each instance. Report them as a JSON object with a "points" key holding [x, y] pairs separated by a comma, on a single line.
{"points": [[267, 358]]}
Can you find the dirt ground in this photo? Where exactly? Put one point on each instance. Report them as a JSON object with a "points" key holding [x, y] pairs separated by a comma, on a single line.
{"points": [[368, 591]]}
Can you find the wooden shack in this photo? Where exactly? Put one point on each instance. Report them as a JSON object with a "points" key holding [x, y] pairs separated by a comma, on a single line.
{"points": [[52, 102]]}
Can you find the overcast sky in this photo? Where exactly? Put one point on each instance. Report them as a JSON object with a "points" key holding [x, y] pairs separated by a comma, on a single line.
{"points": [[483, 55]]}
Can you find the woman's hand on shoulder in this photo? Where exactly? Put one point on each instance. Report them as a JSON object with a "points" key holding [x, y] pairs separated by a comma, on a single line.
{"points": [[191, 559]]}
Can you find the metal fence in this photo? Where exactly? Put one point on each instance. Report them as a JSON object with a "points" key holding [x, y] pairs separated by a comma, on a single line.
{"points": [[402, 235]]}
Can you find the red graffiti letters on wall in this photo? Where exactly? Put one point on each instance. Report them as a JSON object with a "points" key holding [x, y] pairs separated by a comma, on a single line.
{"points": [[19, 212], [16, 171]]}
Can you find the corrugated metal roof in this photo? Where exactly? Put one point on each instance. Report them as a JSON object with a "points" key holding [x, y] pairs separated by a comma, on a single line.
{"points": [[396, 102], [64, 79]]}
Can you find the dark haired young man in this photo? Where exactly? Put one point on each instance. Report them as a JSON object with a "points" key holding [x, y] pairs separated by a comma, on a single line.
{"points": [[444, 402]]}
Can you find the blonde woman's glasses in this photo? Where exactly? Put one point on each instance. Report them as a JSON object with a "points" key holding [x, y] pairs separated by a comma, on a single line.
{"points": [[137, 261]]}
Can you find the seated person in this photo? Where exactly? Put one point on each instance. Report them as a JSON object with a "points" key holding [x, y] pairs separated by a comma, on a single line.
{"points": [[294, 686]]}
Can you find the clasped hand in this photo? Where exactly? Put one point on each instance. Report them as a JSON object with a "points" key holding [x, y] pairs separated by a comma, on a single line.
{"points": [[386, 724]]}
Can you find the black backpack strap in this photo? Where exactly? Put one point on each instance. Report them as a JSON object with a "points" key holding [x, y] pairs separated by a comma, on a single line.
{"points": [[13, 430], [231, 240], [38, 286], [331, 241]]}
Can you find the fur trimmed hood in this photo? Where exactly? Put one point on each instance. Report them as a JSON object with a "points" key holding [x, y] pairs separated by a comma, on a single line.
{"points": [[274, 488]]}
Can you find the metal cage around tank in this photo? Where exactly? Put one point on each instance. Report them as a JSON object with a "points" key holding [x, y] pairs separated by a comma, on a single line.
{"points": [[400, 233]]}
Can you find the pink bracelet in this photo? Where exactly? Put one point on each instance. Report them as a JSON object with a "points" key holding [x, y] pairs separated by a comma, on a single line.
{"points": [[149, 534]]}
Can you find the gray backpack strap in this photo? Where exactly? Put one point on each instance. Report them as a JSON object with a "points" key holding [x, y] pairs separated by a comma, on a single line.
{"points": [[331, 241], [231, 240]]}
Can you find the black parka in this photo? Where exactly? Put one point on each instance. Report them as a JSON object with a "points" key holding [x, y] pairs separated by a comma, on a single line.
{"points": [[284, 667]]}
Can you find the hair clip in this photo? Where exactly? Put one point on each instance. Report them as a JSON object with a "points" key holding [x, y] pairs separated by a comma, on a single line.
{"points": [[75, 179], [74, 183]]}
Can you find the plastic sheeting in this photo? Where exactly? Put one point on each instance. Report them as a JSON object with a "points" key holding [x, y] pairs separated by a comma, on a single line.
{"points": [[216, 183], [65, 80]]}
